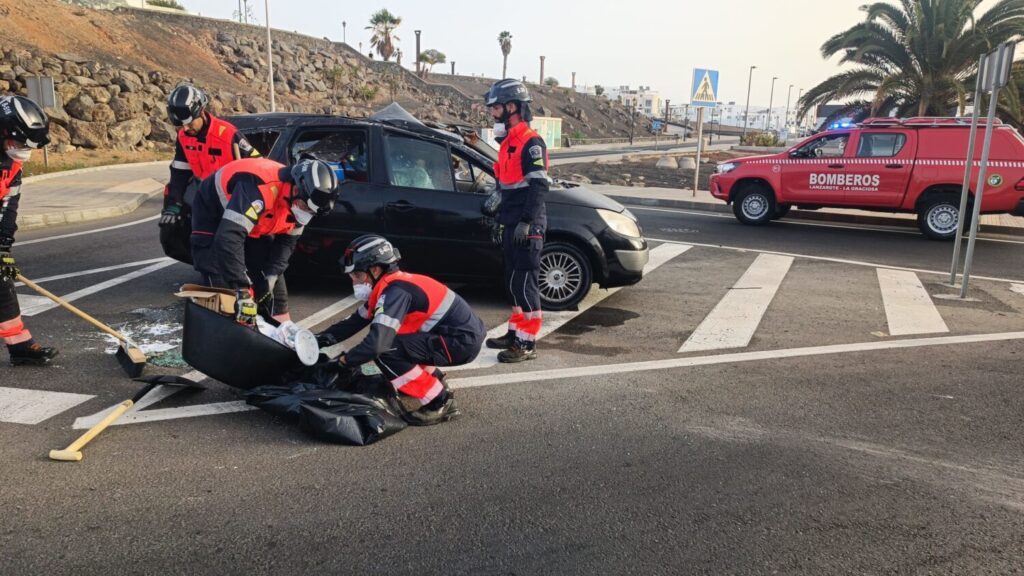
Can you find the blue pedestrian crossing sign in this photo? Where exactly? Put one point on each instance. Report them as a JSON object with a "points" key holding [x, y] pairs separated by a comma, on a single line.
{"points": [[705, 88]]}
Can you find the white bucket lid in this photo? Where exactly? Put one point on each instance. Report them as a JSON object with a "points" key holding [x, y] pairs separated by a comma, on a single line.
{"points": [[306, 347]]}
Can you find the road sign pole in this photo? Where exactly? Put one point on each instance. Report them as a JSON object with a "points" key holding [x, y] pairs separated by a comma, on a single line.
{"points": [[968, 168], [700, 145], [999, 77]]}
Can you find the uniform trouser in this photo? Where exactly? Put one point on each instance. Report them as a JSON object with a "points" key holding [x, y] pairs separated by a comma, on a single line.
{"points": [[522, 286], [12, 329], [256, 251], [410, 364]]}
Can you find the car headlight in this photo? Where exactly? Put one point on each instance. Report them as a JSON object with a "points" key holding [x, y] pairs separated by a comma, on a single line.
{"points": [[727, 167], [620, 222]]}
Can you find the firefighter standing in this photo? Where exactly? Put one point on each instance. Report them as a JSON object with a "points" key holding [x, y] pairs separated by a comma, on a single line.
{"points": [[23, 127], [416, 323], [521, 171], [205, 144], [256, 199]]}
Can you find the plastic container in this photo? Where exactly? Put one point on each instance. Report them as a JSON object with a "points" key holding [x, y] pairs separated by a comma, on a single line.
{"points": [[234, 354]]}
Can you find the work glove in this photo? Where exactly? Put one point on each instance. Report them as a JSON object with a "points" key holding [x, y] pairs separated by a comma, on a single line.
{"points": [[326, 339], [521, 235], [171, 215], [264, 289], [8, 270], [491, 204], [245, 308]]}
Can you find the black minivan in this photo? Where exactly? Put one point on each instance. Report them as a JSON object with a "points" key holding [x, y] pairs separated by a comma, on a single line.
{"points": [[422, 187]]}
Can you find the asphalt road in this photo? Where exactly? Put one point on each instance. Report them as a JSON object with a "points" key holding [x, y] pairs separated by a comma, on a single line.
{"points": [[851, 451]]}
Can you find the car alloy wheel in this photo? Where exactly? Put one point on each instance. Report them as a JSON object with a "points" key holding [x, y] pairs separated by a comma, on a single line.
{"points": [[565, 276]]}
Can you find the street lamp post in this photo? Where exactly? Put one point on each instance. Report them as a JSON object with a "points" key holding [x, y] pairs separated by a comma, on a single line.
{"points": [[798, 95], [746, 113], [344, 37], [789, 94], [270, 56], [771, 100], [541, 81], [417, 50], [453, 67]]}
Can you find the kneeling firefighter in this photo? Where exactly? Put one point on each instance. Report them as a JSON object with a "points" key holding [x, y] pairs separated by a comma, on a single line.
{"points": [[257, 198], [416, 324]]}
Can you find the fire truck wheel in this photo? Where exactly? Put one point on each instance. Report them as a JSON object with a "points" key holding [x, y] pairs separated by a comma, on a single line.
{"points": [[937, 216], [755, 205]]}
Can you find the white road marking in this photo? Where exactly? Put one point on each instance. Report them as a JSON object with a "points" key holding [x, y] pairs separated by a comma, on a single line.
{"points": [[328, 313], [893, 229], [84, 232], [736, 317], [93, 271], [20, 406], [634, 367], [49, 305], [1018, 288], [555, 320], [908, 307], [828, 259]]}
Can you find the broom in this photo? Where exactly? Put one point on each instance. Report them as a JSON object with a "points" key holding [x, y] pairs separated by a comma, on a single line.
{"points": [[130, 356]]}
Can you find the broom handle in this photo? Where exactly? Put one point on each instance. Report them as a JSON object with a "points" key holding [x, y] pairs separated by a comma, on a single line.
{"points": [[73, 309]]}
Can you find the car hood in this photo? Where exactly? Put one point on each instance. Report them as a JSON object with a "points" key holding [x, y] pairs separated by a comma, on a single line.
{"points": [[564, 193], [752, 158]]}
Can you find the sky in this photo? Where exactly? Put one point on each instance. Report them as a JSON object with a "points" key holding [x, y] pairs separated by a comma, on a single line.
{"points": [[654, 43]]}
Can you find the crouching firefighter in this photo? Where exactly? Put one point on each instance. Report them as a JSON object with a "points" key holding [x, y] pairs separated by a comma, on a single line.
{"points": [[23, 127], [257, 198], [521, 171], [416, 324], [205, 144]]}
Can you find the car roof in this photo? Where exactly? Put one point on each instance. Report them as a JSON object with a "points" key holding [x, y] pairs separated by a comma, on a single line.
{"points": [[303, 119]]}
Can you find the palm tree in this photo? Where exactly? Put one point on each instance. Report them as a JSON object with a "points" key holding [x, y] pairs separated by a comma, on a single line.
{"points": [[383, 24], [505, 41], [917, 57], [431, 57]]}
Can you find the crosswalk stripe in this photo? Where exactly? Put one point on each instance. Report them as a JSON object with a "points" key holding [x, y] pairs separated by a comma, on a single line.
{"points": [[43, 307], [20, 406], [555, 320], [908, 307], [737, 315]]}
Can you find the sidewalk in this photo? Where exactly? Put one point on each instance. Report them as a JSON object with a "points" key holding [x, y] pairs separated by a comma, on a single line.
{"points": [[678, 198], [88, 194]]}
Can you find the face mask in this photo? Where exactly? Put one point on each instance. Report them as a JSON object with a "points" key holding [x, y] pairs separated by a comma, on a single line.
{"points": [[499, 130], [362, 292], [21, 154], [301, 216]]}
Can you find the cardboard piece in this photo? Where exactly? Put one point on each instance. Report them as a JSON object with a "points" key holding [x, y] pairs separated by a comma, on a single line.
{"points": [[219, 300]]}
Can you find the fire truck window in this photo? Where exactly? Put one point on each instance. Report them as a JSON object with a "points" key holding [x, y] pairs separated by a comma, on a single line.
{"points": [[825, 147], [880, 145]]}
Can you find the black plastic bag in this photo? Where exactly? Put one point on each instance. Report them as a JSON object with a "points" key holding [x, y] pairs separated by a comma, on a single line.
{"points": [[342, 408]]}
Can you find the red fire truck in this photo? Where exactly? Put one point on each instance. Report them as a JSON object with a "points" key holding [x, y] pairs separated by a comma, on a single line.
{"points": [[884, 164]]}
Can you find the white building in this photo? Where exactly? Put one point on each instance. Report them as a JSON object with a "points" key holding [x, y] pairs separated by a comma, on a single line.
{"points": [[642, 98]]}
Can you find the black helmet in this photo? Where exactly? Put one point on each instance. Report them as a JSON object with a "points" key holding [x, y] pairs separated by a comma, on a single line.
{"points": [[370, 250], [24, 121], [507, 90], [185, 104], [317, 184]]}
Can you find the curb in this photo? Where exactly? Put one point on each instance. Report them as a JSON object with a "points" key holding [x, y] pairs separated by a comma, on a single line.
{"points": [[813, 215], [37, 221], [51, 175]]}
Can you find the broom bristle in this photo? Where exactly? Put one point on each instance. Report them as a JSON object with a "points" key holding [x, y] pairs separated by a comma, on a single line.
{"points": [[132, 360]]}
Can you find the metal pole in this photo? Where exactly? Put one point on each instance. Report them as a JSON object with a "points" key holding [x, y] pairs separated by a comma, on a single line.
{"points": [[785, 123], [771, 101], [746, 114], [418, 50], [798, 95], [986, 148], [686, 120], [968, 165], [344, 35], [270, 57], [700, 144]]}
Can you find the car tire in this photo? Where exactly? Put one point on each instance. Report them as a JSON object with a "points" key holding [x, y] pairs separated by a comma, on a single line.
{"points": [[754, 205], [565, 276], [781, 210], [938, 215]]}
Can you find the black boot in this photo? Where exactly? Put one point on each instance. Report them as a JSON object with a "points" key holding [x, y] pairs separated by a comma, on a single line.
{"points": [[31, 355], [503, 343], [519, 352], [440, 409]]}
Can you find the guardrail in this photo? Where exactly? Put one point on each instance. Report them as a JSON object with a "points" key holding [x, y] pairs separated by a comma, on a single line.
{"points": [[569, 141]]}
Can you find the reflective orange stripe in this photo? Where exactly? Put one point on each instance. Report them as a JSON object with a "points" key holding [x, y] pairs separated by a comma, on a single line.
{"points": [[220, 137], [419, 382]]}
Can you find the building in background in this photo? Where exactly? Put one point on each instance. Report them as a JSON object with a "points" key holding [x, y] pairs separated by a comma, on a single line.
{"points": [[642, 99]]}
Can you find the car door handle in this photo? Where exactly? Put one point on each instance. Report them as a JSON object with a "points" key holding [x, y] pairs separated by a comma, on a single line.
{"points": [[837, 165], [894, 166], [400, 206]]}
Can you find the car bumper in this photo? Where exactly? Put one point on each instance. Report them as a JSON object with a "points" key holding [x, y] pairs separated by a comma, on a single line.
{"points": [[626, 263], [1019, 210], [633, 261], [718, 188]]}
